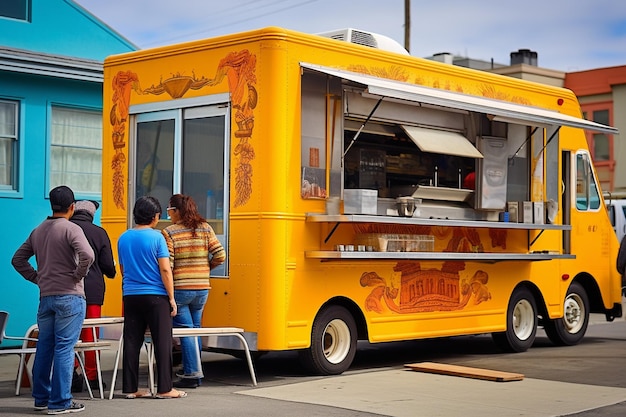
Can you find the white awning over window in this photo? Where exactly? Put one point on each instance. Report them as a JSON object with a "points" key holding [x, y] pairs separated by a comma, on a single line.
{"points": [[500, 110], [441, 141]]}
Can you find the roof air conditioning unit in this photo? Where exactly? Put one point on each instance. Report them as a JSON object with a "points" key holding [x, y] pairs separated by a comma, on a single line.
{"points": [[373, 40]]}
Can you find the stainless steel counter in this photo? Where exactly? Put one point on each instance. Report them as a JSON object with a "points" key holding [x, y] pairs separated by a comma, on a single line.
{"points": [[362, 218], [437, 256]]}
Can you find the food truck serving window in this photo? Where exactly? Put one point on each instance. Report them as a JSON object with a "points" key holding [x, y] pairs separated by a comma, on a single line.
{"points": [[400, 138]]}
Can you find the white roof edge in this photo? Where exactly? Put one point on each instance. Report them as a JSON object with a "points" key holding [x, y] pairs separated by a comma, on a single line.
{"points": [[30, 62], [511, 112]]}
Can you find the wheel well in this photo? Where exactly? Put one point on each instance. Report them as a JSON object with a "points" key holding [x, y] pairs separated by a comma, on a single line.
{"points": [[593, 292], [589, 285], [356, 312], [539, 300]]}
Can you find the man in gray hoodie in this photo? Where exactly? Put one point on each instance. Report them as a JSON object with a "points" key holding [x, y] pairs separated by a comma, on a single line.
{"points": [[63, 257]]}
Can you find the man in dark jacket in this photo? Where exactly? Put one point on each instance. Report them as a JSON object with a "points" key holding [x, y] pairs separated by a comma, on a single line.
{"points": [[94, 281]]}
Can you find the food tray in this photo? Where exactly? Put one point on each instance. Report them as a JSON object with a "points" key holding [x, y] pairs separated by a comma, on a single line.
{"points": [[442, 193]]}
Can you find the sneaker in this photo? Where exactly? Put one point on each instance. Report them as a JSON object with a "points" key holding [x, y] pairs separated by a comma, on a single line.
{"points": [[181, 374], [187, 383], [73, 408], [41, 407]]}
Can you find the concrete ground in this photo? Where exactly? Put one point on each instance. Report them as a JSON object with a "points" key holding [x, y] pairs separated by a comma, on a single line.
{"points": [[363, 391]]}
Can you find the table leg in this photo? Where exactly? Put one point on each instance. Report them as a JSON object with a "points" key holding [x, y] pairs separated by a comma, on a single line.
{"points": [[116, 364]]}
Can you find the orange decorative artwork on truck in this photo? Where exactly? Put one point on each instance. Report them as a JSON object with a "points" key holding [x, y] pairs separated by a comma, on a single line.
{"points": [[177, 85], [238, 68], [425, 290], [123, 83], [397, 73]]}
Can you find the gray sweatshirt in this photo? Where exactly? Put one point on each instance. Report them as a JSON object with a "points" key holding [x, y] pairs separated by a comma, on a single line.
{"points": [[63, 257]]}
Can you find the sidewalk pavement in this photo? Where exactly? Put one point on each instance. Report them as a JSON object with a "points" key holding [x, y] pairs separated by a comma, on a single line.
{"points": [[393, 391]]}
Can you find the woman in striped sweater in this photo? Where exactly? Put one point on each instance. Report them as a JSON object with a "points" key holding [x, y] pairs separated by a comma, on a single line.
{"points": [[194, 250]]}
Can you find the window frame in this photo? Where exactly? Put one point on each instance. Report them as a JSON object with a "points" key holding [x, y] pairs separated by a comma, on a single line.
{"points": [[49, 145], [15, 189], [27, 13], [218, 105], [592, 197]]}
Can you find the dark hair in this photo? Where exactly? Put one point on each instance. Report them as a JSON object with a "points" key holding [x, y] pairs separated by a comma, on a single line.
{"points": [[146, 208], [188, 210]]}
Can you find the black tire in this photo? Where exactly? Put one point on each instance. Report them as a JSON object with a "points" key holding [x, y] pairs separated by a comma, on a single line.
{"points": [[333, 342], [521, 323], [571, 328]]}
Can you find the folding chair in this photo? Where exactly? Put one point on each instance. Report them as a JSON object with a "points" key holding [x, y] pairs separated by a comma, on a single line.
{"points": [[23, 351], [80, 348], [28, 349]]}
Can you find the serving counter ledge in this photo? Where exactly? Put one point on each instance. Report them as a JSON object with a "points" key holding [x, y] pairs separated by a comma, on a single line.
{"points": [[438, 256], [363, 218]]}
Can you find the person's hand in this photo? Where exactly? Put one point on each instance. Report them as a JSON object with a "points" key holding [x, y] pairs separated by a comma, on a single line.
{"points": [[173, 307]]}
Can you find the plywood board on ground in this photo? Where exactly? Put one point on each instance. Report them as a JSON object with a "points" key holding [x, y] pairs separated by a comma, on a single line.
{"points": [[465, 371]]}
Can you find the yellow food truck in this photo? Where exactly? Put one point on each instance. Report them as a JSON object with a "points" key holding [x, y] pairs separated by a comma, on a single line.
{"points": [[364, 194]]}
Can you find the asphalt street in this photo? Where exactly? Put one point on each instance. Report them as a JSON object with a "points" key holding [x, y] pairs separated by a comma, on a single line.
{"points": [[584, 380]]}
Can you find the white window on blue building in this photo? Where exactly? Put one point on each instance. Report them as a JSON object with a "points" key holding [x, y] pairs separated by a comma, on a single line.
{"points": [[8, 144], [76, 150]]}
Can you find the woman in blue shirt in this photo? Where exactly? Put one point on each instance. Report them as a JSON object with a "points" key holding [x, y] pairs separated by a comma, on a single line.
{"points": [[148, 297]]}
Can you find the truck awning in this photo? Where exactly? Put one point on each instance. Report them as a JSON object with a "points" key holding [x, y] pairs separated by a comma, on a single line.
{"points": [[441, 141], [499, 110]]}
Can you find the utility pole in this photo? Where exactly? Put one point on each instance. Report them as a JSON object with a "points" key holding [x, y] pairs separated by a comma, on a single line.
{"points": [[407, 25]]}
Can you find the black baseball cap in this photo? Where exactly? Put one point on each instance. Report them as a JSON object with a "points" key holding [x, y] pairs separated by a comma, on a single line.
{"points": [[61, 198]]}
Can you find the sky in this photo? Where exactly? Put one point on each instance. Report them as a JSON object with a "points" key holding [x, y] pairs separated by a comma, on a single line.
{"points": [[568, 35]]}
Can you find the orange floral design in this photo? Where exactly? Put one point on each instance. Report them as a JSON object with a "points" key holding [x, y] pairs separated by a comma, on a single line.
{"points": [[239, 69], [393, 72], [398, 73], [123, 83]]}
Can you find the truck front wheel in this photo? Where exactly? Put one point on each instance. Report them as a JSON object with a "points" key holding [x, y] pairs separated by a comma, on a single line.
{"points": [[521, 323], [333, 342], [571, 328]]}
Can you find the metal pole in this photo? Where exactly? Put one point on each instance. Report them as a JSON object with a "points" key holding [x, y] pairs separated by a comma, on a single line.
{"points": [[407, 25]]}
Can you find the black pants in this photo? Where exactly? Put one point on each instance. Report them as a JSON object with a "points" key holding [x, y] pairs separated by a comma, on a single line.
{"points": [[143, 312]]}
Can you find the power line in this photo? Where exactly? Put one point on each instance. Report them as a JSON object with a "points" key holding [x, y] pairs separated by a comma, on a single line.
{"points": [[197, 34]]}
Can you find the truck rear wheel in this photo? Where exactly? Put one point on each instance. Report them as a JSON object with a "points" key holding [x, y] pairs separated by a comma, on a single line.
{"points": [[521, 323], [571, 328], [333, 342]]}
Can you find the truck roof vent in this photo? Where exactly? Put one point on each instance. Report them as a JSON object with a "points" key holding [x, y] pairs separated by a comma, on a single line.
{"points": [[360, 37]]}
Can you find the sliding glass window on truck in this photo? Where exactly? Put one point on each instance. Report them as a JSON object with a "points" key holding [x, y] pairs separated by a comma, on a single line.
{"points": [[184, 150]]}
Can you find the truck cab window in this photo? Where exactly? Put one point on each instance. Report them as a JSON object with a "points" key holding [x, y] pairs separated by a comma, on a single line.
{"points": [[587, 194]]}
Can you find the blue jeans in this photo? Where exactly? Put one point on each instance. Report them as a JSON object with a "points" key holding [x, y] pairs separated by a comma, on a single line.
{"points": [[190, 306], [60, 319]]}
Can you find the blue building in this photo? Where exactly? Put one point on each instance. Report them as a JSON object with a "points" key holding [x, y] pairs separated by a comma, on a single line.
{"points": [[51, 56]]}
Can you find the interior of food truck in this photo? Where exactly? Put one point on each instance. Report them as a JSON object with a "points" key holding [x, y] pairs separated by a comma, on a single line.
{"points": [[438, 166], [392, 164], [370, 140]]}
